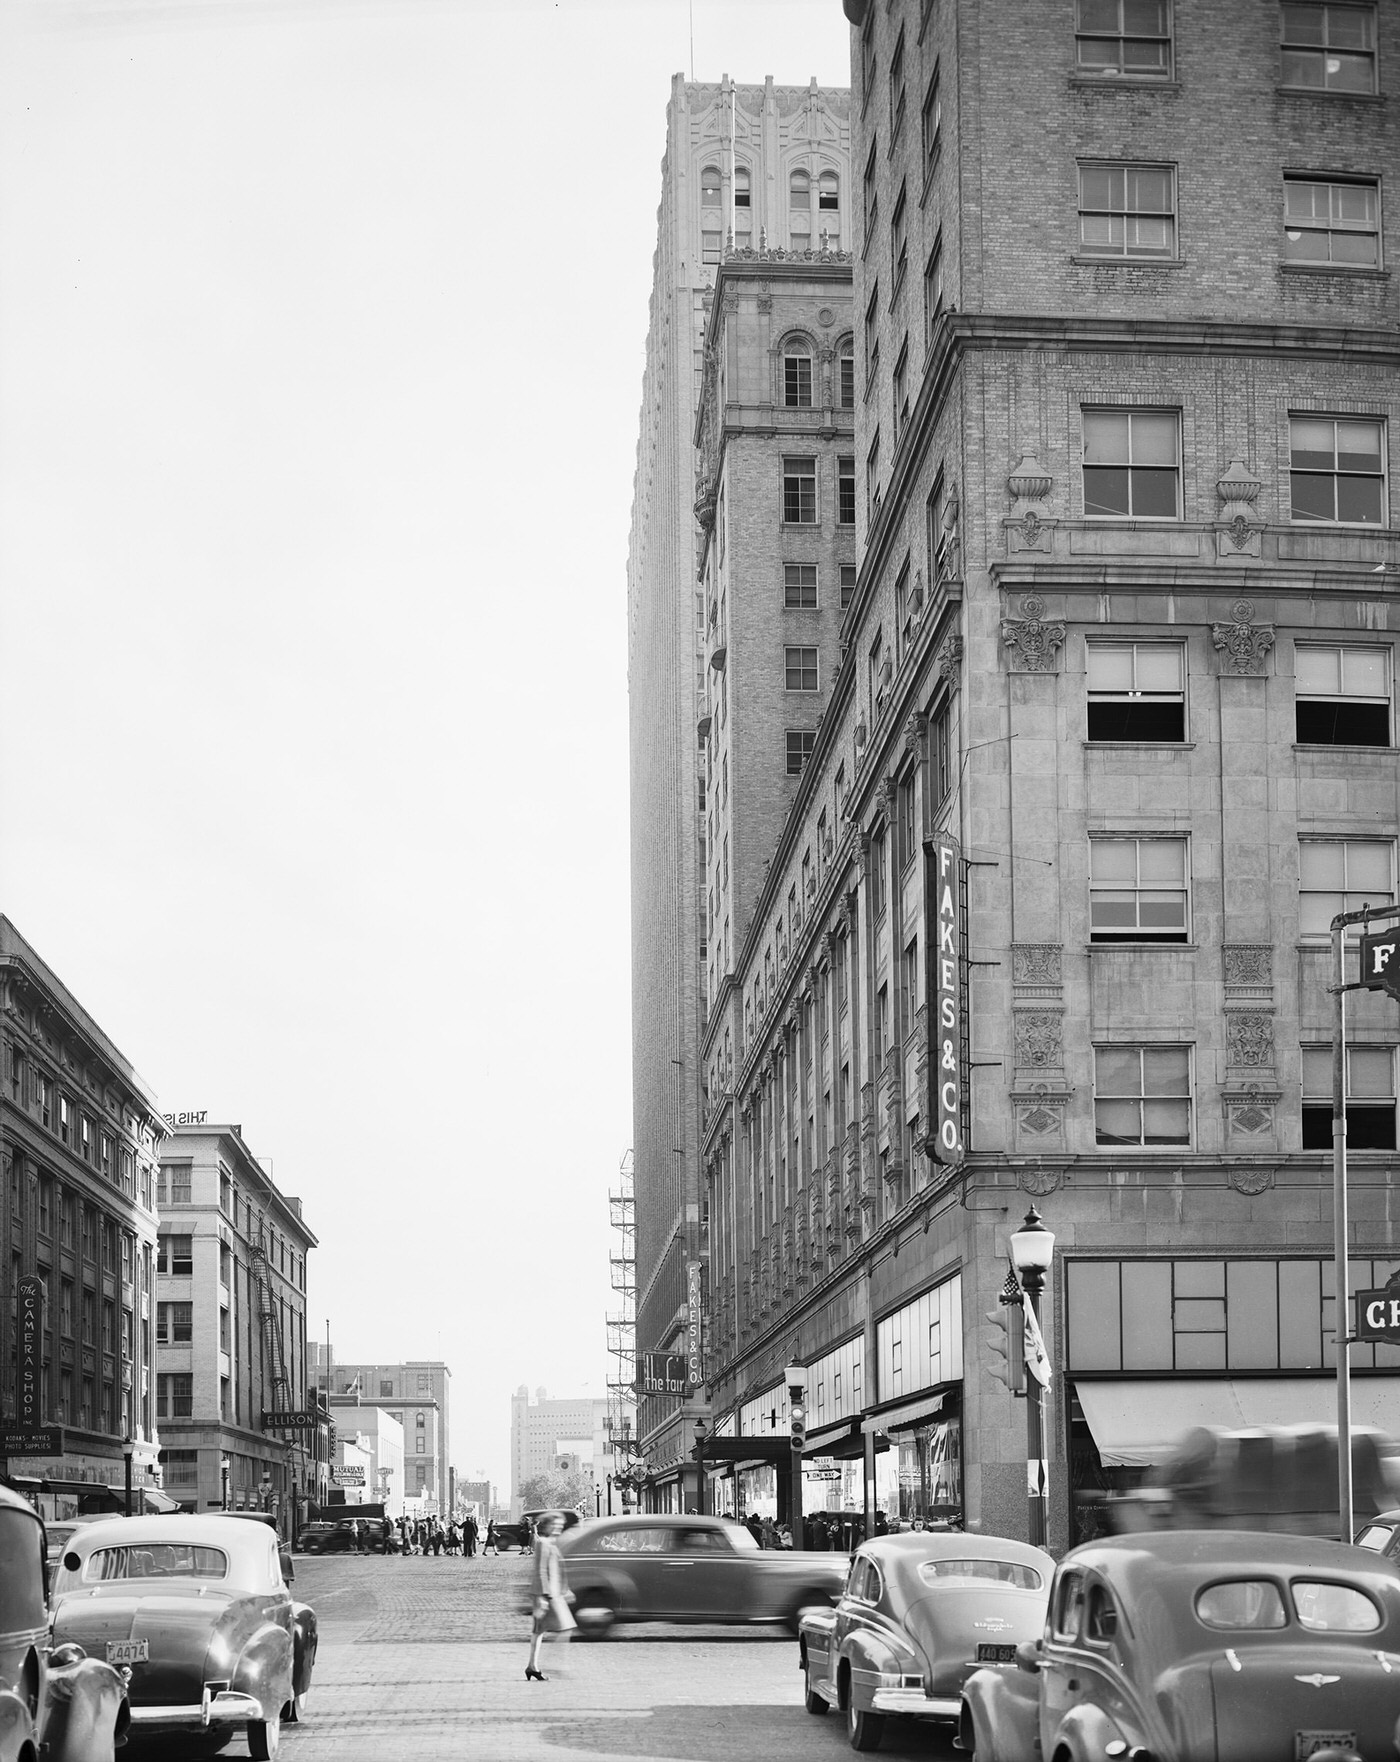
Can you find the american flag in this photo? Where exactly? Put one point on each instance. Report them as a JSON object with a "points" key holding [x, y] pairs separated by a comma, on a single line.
{"points": [[1011, 1290]]}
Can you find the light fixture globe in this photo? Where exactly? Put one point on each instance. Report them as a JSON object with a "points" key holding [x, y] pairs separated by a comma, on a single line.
{"points": [[795, 1377], [1032, 1247]]}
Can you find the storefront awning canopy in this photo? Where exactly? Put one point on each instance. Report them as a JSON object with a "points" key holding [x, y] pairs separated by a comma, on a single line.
{"points": [[1136, 1424], [825, 1440], [903, 1419]]}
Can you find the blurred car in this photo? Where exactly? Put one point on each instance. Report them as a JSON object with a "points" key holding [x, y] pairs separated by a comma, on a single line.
{"points": [[1229, 1645], [656, 1567], [520, 1533], [340, 1537], [55, 1701], [197, 1610], [919, 1613]]}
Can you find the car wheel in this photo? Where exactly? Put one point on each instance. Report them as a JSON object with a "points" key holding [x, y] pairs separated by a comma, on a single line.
{"points": [[864, 1729], [595, 1612], [264, 1738], [294, 1713]]}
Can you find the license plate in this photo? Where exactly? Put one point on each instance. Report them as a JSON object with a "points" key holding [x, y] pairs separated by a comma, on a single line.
{"points": [[1308, 1743], [989, 1654], [139, 1652]]}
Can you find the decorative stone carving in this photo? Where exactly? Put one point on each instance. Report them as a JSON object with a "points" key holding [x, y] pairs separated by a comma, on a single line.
{"points": [[1249, 1114], [1032, 642], [1029, 522], [1039, 1181], [1249, 963], [765, 296], [1249, 1038], [950, 660], [1039, 1113], [914, 731], [1038, 1039], [1243, 644], [1238, 527], [1250, 1181], [1036, 963]]}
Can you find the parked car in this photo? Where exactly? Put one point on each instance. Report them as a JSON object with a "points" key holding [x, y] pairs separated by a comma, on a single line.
{"points": [[55, 1701], [920, 1612], [1381, 1534], [198, 1610], [1227, 1645], [698, 1569], [56, 1536]]}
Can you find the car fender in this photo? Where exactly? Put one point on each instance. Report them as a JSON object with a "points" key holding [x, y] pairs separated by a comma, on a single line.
{"points": [[305, 1639], [1000, 1715], [1085, 1730], [86, 1713], [16, 1727], [814, 1637], [264, 1669], [869, 1654]]}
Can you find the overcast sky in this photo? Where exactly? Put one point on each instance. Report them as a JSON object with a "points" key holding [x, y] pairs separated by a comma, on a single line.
{"points": [[322, 326]]}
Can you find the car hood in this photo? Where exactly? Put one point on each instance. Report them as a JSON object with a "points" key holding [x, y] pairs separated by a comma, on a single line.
{"points": [[949, 1625]]}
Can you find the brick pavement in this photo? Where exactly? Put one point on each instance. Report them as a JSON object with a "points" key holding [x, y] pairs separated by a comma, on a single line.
{"points": [[424, 1661]]}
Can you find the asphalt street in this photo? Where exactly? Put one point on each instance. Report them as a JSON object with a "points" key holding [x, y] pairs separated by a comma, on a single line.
{"points": [[424, 1660]]}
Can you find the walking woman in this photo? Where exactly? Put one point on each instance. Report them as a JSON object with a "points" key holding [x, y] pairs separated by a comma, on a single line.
{"points": [[552, 1614]]}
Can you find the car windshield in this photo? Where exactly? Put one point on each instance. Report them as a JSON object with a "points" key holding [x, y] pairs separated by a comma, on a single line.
{"points": [[1375, 1535], [152, 1560], [948, 1573]]}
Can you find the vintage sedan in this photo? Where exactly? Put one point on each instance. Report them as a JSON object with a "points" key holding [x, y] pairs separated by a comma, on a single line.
{"points": [[197, 1609], [660, 1567], [1202, 1646], [919, 1613], [55, 1702]]}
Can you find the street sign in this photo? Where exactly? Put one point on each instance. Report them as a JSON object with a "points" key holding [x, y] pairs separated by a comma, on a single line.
{"points": [[662, 1373], [1380, 960], [32, 1441], [1378, 1315], [296, 1419], [348, 1477]]}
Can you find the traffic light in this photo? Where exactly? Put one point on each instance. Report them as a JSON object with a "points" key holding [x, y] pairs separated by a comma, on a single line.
{"points": [[797, 1424], [1005, 1348]]}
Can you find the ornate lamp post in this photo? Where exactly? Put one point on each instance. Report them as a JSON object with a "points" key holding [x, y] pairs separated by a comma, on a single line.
{"points": [[1032, 1248]]}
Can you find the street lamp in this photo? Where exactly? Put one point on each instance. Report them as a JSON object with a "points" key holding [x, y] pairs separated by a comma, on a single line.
{"points": [[224, 1466], [1032, 1248], [128, 1451], [700, 1489], [795, 1376]]}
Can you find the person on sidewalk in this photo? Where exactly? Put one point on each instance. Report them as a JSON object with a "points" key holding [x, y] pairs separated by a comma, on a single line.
{"points": [[551, 1613], [491, 1545]]}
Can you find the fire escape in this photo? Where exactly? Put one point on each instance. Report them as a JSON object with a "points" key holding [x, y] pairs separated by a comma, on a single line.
{"points": [[622, 1332], [269, 1324]]}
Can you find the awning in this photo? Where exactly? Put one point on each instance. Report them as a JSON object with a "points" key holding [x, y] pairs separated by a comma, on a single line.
{"points": [[1138, 1423], [903, 1419], [820, 1442]]}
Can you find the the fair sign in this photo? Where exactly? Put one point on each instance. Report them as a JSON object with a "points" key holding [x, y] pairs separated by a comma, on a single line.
{"points": [[943, 911]]}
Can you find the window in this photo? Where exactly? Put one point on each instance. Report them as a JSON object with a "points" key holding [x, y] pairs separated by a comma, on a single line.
{"points": [[175, 1323], [800, 586], [710, 247], [932, 123], [710, 187], [741, 190], [801, 669], [899, 239], [1332, 221], [878, 885], [900, 383], [800, 742], [175, 1396], [898, 91], [1369, 1097], [797, 376], [940, 754], [1142, 1095], [870, 192], [85, 1137], [175, 1180], [1336, 470], [225, 1194], [1343, 695], [933, 286], [800, 210], [1132, 465], [1127, 211], [872, 479], [829, 204], [799, 492], [16, 1058], [176, 1255], [45, 1098], [1137, 889], [846, 375], [1341, 875], [386, 1386], [105, 1154], [1329, 48], [1137, 690], [65, 1119], [872, 338], [845, 492], [848, 574], [1118, 37]]}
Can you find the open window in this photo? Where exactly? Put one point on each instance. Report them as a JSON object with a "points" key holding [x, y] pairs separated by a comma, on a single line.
{"points": [[1343, 695]]}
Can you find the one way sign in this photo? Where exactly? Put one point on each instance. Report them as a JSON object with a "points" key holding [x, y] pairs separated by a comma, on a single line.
{"points": [[1380, 961]]}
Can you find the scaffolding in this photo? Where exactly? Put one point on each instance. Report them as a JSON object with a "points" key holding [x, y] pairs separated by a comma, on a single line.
{"points": [[622, 1327]]}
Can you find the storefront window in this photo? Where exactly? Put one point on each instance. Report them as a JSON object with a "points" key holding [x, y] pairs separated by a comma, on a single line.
{"points": [[920, 1475]]}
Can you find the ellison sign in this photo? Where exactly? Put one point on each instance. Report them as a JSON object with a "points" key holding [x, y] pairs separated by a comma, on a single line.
{"points": [[943, 909]]}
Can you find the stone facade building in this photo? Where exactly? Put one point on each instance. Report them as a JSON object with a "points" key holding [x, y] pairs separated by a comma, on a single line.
{"points": [[79, 1133], [417, 1392], [231, 1332], [1123, 634], [765, 167]]}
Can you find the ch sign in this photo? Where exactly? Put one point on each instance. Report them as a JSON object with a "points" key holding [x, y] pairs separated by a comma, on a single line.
{"points": [[943, 913], [1380, 961], [1378, 1315]]}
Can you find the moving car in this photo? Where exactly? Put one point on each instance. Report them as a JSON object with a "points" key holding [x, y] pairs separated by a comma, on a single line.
{"points": [[197, 1609], [919, 1613], [656, 1567], [55, 1702], [1381, 1534], [339, 1537], [1226, 1645]]}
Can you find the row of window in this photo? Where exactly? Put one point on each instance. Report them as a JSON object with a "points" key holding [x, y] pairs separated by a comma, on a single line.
{"points": [[798, 368], [805, 195], [62, 1213], [1143, 1095], [801, 505], [31, 1088], [800, 586]]}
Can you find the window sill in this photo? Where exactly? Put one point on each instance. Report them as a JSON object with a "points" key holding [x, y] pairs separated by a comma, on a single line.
{"points": [[1137, 947], [1353, 271], [1154, 746], [1331, 97], [1339, 746], [1118, 82], [1127, 262]]}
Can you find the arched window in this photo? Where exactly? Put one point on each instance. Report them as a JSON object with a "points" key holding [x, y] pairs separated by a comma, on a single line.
{"points": [[797, 374], [829, 208], [846, 374], [743, 210], [799, 191], [711, 226], [421, 1418], [800, 210], [709, 187], [741, 186]]}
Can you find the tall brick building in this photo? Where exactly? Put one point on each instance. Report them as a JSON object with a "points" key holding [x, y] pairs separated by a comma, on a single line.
{"points": [[752, 168], [1122, 630]]}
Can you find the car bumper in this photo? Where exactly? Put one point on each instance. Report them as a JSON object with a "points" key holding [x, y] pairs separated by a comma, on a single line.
{"points": [[227, 1707], [914, 1703]]}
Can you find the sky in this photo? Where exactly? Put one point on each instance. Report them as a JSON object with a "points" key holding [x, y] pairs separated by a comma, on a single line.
{"points": [[322, 326]]}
